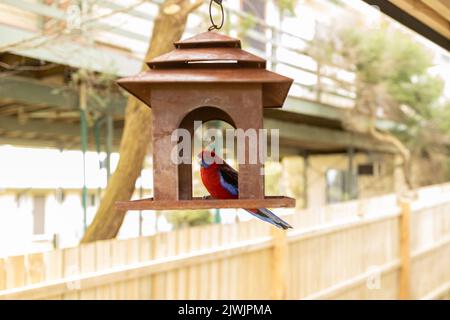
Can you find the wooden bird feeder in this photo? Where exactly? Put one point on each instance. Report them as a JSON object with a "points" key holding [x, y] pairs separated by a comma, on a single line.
{"points": [[207, 77]]}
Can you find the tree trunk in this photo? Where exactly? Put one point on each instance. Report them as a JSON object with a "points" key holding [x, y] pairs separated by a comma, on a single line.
{"points": [[403, 150], [365, 105], [168, 27], [367, 125]]}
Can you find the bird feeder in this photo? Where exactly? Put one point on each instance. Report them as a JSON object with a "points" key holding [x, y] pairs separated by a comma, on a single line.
{"points": [[206, 77]]}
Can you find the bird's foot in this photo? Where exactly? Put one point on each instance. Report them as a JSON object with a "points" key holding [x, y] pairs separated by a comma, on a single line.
{"points": [[208, 197]]}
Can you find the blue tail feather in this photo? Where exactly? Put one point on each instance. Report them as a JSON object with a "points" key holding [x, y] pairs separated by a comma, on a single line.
{"points": [[268, 216]]}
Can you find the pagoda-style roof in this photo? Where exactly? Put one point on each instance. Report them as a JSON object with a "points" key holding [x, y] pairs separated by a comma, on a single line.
{"points": [[205, 39], [209, 57]]}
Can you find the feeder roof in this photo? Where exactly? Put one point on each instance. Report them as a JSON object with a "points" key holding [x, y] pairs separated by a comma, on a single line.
{"points": [[208, 38], [209, 57]]}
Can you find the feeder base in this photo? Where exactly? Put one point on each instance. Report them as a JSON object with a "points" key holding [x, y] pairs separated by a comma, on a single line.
{"points": [[200, 203]]}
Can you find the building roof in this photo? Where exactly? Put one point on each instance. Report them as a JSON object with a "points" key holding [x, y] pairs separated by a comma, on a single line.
{"points": [[430, 18]]}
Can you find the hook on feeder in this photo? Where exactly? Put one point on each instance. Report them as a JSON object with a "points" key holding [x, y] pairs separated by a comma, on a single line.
{"points": [[213, 24]]}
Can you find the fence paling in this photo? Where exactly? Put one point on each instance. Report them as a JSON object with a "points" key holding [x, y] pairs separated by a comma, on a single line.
{"points": [[251, 260], [280, 268], [123, 273], [405, 251]]}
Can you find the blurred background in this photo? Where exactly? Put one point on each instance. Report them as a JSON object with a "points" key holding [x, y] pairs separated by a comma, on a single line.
{"points": [[366, 122]]}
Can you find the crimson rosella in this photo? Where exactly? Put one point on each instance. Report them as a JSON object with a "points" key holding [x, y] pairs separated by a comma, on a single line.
{"points": [[221, 181]]}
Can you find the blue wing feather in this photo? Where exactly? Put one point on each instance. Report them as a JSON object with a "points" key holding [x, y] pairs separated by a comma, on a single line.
{"points": [[229, 179]]}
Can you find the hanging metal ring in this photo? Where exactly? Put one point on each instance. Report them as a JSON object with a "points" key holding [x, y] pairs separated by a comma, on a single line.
{"points": [[213, 24]]}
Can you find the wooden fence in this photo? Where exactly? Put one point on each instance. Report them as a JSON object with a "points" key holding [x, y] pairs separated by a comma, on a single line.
{"points": [[367, 249]]}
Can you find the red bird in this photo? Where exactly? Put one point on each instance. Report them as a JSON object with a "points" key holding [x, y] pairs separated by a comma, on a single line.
{"points": [[221, 181]]}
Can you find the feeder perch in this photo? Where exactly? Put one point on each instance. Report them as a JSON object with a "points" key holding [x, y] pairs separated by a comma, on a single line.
{"points": [[207, 77]]}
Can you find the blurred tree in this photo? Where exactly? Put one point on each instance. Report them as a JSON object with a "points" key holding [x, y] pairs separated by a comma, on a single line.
{"points": [[392, 81], [287, 6], [189, 218], [168, 27]]}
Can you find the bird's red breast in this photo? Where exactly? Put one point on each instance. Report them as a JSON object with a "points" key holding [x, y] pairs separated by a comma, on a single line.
{"points": [[211, 180], [211, 176]]}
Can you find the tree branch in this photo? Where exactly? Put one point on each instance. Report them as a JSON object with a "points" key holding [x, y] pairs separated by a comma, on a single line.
{"points": [[404, 152]]}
